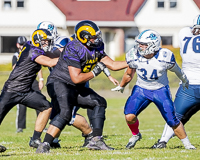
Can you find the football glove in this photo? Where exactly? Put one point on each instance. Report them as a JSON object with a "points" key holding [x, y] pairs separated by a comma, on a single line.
{"points": [[98, 68], [118, 88]]}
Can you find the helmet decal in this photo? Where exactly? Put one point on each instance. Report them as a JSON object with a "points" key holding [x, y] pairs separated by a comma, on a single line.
{"points": [[50, 27], [152, 36], [38, 33], [85, 28]]}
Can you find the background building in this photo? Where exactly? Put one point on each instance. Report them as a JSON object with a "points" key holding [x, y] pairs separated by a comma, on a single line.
{"points": [[120, 20]]}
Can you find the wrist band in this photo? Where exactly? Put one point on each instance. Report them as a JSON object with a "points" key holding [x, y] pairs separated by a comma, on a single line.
{"points": [[106, 72], [41, 79]]}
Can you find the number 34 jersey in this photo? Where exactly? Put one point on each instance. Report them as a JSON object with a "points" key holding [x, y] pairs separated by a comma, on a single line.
{"points": [[190, 53], [151, 73]]}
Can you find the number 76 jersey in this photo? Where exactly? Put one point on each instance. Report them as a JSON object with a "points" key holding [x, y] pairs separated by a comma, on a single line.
{"points": [[190, 53], [151, 73]]}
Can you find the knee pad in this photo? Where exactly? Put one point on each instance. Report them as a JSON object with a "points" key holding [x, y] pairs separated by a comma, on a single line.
{"points": [[103, 102], [59, 122], [46, 105]]}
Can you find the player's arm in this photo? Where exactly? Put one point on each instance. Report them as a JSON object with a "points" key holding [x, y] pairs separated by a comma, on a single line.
{"points": [[127, 77], [78, 77], [46, 61], [114, 65], [180, 74], [41, 80]]}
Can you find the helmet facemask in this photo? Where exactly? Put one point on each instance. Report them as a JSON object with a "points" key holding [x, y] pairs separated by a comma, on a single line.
{"points": [[94, 41], [43, 38]]}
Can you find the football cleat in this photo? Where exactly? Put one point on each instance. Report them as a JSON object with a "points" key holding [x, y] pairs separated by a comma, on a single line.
{"points": [[159, 145], [189, 146], [55, 143], [97, 143], [2, 148], [87, 137], [43, 148], [133, 140], [19, 130], [34, 143]]}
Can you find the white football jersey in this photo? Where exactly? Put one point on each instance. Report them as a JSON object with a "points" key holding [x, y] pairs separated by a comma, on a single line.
{"points": [[190, 53], [151, 73]]}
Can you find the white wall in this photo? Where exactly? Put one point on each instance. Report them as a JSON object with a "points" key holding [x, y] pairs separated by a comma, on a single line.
{"points": [[24, 21], [167, 22]]}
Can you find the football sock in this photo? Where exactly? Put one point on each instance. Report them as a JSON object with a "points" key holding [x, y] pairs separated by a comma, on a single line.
{"points": [[36, 134], [48, 138], [167, 134], [97, 132], [134, 127], [185, 141]]}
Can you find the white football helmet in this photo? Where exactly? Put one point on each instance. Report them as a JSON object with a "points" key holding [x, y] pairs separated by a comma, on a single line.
{"points": [[196, 25], [150, 38], [50, 26]]}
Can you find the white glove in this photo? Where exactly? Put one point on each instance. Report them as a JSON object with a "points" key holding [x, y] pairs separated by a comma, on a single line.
{"points": [[118, 88], [185, 84]]}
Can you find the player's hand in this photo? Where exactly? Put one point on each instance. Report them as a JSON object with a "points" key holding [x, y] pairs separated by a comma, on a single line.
{"points": [[98, 68], [185, 84], [118, 88], [113, 80]]}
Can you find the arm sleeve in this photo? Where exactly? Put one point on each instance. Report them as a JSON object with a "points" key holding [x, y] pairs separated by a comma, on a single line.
{"points": [[180, 74]]}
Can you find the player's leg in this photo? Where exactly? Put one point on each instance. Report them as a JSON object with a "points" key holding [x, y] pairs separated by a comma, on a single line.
{"points": [[192, 111], [21, 118], [184, 102], [162, 99], [135, 104], [89, 99], [66, 97], [7, 101], [38, 101]]}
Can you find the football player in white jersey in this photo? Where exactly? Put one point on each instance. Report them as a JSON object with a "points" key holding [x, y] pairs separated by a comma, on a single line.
{"points": [[187, 102], [151, 64]]}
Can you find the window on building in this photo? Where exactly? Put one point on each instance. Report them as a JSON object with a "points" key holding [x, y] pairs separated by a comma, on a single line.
{"points": [[161, 4], [8, 44], [7, 5], [20, 3], [166, 40], [173, 3]]}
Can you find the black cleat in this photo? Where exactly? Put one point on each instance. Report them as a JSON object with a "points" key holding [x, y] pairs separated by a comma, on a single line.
{"points": [[2, 148], [34, 143], [55, 143], [159, 145], [97, 143], [87, 137], [43, 148]]}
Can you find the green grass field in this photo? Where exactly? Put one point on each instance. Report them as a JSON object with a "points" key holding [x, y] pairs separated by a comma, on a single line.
{"points": [[116, 132]]}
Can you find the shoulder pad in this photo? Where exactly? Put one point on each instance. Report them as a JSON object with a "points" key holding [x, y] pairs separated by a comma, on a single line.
{"points": [[130, 55]]}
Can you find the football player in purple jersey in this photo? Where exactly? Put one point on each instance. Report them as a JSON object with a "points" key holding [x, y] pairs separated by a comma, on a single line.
{"points": [[18, 88], [81, 60]]}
